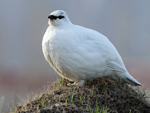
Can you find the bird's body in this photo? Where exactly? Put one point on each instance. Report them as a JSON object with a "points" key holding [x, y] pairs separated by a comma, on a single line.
{"points": [[79, 54]]}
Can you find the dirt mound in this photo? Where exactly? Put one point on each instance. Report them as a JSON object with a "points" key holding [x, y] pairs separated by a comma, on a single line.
{"points": [[97, 96]]}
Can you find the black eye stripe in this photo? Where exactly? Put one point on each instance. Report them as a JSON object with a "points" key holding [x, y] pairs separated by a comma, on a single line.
{"points": [[55, 17], [60, 17]]}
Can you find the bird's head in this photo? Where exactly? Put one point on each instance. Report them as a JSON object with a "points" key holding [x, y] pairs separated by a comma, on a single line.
{"points": [[58, 18]]}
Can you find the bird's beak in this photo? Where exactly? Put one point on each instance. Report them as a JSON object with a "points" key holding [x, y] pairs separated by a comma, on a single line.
{"points": [[51, 17]]}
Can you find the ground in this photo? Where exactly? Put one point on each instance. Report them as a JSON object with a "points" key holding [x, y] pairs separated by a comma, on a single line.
{"points": [[97, 96]]}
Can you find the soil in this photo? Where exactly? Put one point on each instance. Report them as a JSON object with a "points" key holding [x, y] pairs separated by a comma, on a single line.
{"points": [[97, 96]]}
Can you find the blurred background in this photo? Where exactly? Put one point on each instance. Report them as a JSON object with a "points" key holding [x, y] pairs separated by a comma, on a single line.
{"points": [[23, 67]]}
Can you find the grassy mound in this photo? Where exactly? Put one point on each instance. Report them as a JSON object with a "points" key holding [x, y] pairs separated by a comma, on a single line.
{"points": [[97, 96]]}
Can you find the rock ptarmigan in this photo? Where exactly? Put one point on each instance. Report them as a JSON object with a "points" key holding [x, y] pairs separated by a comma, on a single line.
{"points": [[79, 54]]}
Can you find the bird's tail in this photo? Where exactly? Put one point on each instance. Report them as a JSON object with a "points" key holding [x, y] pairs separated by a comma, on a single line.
{"points": [[129, 79]]}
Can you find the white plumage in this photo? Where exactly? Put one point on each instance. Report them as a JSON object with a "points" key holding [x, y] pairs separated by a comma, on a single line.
{"points": [[79, 54]]}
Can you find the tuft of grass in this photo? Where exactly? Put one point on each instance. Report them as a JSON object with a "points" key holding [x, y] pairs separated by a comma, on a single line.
{"points": [[97, 107], [72, 96], [37, 108], [80, 98], [42, 102], [118, 84], [104, 109], [66, 103], [87, 106], [14, 108], [145, 94]]}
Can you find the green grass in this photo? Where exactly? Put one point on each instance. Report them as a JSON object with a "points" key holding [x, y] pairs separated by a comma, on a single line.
{"points": [[97, 107], [143, 94], [66, 103], [72, 96], [87, 106], [42, 102], [118, 84], [104, 109], [80, 98], [14, 108]]}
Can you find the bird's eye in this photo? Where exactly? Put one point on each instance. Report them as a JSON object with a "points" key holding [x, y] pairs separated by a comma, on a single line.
{"points": [[60, 17]]}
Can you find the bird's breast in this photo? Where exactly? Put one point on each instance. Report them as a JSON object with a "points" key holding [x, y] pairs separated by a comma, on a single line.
{"points": [[76, 57]]}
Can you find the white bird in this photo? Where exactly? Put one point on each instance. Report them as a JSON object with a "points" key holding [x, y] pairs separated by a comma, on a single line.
{"points": [[79, 54]]}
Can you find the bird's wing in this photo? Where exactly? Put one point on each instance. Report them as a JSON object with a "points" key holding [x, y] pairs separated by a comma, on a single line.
{"points": [[114, 66], [112, 57], [108, 52]]}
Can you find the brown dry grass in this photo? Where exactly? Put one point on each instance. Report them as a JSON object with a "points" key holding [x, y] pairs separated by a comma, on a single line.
{"points": [[97, 96]]}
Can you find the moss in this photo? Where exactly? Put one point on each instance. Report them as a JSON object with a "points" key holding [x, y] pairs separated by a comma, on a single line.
{"points": [[100, 95]]}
